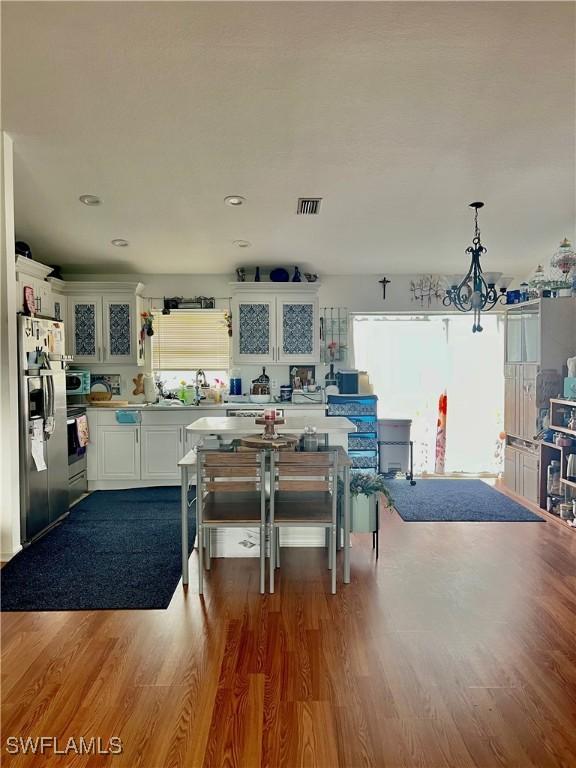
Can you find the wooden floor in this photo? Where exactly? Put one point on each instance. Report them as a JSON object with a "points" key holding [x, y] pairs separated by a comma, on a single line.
{"points": [[458, 648]]}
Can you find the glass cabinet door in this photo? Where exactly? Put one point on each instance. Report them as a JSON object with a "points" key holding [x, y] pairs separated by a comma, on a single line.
{"points": [[514, 335], [254, 335], [119, 333], [298, 330], [531, 333], [85, 329]]}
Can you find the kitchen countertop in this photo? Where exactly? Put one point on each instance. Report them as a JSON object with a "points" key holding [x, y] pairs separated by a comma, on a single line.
{"points": [[238, 425], [212, 406]]}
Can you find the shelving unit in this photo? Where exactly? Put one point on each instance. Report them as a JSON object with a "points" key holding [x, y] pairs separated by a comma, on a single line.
{"points": [[551, 451], [540, 336]]}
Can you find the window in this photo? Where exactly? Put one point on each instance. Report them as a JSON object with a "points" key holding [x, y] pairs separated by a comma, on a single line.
{"points": [[190, 339], [412, 360]]}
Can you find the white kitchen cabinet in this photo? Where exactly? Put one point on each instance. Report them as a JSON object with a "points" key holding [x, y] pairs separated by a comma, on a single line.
{"points": [[33, 274], [104, 323], [541, 331], [84, 328], [521, 473], [254, 329], [57, 301], [510, 464], [119, 321], [272, 324], [297, 329], [512, 399], [162, 447], [118, 447], [529, 469], [528, 405]]}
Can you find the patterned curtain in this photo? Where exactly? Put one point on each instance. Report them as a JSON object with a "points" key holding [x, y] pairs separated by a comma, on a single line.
{"points": [[441, 434]]}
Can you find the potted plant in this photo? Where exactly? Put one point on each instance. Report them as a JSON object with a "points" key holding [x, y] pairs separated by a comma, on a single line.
{"points": [[364, 490]]}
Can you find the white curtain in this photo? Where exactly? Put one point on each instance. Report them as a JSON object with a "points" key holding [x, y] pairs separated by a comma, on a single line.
{"points": [[411, 360]]}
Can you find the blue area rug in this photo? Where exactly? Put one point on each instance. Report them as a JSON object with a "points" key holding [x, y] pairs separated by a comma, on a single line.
{"points": [[116, 550], [453, 501]]}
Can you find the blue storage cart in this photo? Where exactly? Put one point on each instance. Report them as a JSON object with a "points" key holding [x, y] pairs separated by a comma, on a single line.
{"points": [[362, 412], [362, 444]]}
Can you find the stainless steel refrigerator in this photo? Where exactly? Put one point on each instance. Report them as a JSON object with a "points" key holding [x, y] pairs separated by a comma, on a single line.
{"points": [[43, 429]]}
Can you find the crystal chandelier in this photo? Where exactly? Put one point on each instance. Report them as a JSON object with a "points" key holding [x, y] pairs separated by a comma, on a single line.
{"points": [[476, 291], [564, 259]]}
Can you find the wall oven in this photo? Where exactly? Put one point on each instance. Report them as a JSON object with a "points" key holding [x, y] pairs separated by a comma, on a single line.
{"points": [[77, 474]]}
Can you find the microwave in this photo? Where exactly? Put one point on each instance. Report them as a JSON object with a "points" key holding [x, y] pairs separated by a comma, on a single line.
{"points": [[77, 382]]}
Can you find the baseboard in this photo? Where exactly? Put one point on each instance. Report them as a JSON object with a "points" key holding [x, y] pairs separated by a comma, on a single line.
{"points": [[5, 557], [125, 485]]}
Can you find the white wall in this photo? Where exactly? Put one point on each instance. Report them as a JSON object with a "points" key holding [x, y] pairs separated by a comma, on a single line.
{"points": [[9, 452], [356, 293]]}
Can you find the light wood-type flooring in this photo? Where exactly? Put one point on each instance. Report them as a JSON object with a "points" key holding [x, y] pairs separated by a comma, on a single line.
{"points": [[457, 648]]}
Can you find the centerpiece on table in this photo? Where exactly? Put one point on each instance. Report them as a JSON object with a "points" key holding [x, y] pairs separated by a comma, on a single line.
{"points": [[269, 438], [365, 490]]}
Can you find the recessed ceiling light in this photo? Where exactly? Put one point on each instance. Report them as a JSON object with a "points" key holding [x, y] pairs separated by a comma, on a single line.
{"points": [[120, 242], [242, 243], [234, 200], [89, 199]]}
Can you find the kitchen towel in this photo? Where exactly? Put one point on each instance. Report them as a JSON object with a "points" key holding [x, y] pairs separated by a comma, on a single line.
{"points": [[82, 430]]}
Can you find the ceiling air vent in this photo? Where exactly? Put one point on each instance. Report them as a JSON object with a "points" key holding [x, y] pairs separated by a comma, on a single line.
{"points": [[309, 206]]}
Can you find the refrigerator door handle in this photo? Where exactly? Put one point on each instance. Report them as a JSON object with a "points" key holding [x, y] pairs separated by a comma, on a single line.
{"points": [[48, 395]]}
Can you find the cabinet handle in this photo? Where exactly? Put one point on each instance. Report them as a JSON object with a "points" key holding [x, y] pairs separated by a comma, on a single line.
{"points": [[137, 435]]}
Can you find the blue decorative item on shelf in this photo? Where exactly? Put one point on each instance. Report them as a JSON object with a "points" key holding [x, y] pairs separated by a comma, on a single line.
{"points": [[257, 275], [570, 387], [280, 275], [297, 277]]}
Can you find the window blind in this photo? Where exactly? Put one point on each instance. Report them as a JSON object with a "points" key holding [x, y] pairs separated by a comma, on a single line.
{"points": [[188, 340]]}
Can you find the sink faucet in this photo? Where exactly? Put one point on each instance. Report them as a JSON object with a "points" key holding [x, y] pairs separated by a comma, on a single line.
{"points": [[200, 380]]}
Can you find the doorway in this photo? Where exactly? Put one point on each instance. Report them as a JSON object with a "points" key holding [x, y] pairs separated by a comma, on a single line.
{"points": [[413, 359]]}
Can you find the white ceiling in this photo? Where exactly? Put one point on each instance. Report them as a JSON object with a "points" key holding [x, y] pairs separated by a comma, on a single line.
{"points": [[397, 114]]}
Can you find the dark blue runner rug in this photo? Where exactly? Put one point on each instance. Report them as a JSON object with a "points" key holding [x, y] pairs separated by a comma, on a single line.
{"points": [[432, 501], [116, 550]]}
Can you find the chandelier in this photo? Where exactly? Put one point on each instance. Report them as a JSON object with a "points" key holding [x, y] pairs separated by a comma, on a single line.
{"points": [[564, 259], [476, 291]]}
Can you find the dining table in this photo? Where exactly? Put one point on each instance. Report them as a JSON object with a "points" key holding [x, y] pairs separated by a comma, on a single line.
{"points": [[334, 428]]}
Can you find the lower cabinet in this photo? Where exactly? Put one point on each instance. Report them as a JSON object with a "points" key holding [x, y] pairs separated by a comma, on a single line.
{"points": [[118, 448], [530, 478], [521, 473], [162, 448], [121, 455]]}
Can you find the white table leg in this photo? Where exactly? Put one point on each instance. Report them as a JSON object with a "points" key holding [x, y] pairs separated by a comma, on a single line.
{"points": [[346, 525], [184, 526]]}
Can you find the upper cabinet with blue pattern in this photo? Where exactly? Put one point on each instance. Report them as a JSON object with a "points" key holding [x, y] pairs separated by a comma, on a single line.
{"points": [[298, 332], [275, 325], [104, 328]]}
